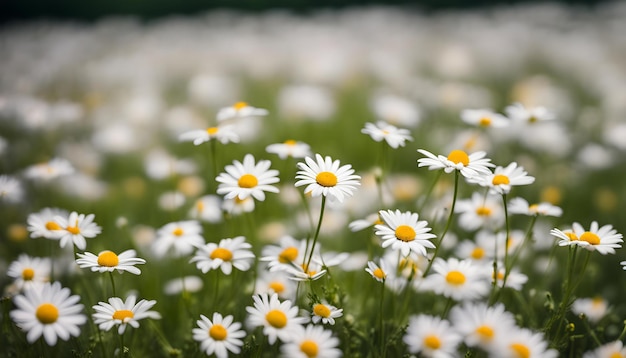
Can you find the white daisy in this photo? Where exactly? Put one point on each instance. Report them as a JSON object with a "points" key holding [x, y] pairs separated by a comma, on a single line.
{"points": [[276, 282], [242, 180], [11, 189], [108, 261], [186, 284], [514, 279], [224, 134], [603, 239], [325, 313], [480, 211], [48, 310], [362, 224], [403, 231], [378, 272], [208, 209], [522, 342], [623, 263], [484, 118], [517, 112], [278, 319], [521, 206], [311, 342], [300, 273], [75, 228], [289, 148], [323, 176], [287, 253], [482, 325], [593, 308], [395, 110], [52, 169], [504, 178], [29, 271], [395, 137], [459, 280], [236, 206], [431, 336], [227, 254], [123, 313], [469, 165], [240, 110], [219, 335], [182, 236], [613, 349]]}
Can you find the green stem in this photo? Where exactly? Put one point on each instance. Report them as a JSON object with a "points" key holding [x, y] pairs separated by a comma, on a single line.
{"points": [[112, 283], [317, 232], [506, 242], [430, 191], [591, 332], [383, 351]]}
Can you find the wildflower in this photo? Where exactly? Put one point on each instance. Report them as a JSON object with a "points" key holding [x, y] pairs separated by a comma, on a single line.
{"points": [[482, 247], [247, 179], [207, 209], [431, 336], [517, 112], [108, 261], [603, 239], [48, 310], [593, 308], [514, 279], [609, 350], [289, 148], [325, 313], [482, 325], [623, 263], [395, 137], [228, 253], [311, 342], [236, 206], [469, 165], [484, 118], [378, 272], [55, 168], [75, 228], [11, 189], [275, 282], [278, 319], [403, 231], [459, 280], [480, 211], [171, 200], [220, 335], [42, 224], [522, 342], [395, 110], [183, 285], [288, 253], [223, 134], [521, 206], [123, 313], [240, 110], [362, 224], [29, 271], [313, 272], [503, 178], [183, 236], [308, 102], [324, 177]]}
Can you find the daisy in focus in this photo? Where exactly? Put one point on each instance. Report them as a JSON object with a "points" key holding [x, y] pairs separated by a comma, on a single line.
{"points": [[403, 232], [225, 255], [289, 148], [481, 325], [323, 176], [219, 335], [29, 271], [278, 319], [431, 336], [242, 180], [108, 261], [311, 342], [521, 206], [395, 137], [459, 280], [469, 165], [484, 118], [75, 228], [603, 239], [182, 236], [48, 310], [123, 313], [240, 110], [504, 178], [325, 313], [378, 272], [42, 224]]}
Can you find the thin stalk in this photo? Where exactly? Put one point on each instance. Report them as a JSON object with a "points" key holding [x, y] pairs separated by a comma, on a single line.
{"points": [[506, 242], [112, 283], [317, 232], [383, 351], [430, 191]]}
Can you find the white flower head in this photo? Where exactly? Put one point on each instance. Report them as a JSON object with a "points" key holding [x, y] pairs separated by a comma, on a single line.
{"points": [[608, 350], [459, 280], [521, 206], [289, 148], [75, 228], [603, 239], [225, 255], [183, 284], [236, 206], [523, 342], [504, 178], [108, 261], [219, 335], [403, 232], [240, 110], [482, 325], [378, 272], [324, 176], [55, 168], [480, 211], [431, 336], [469, 165], [311, 341], [11, 189], [286, 254], [395, 137], [517, 112], [278, 319], [224, 134], [208, 209], [368, 222], [42, 223], [593, 308], [325, 313], [276, 282], [485, 118], [123, 313], [182, 236], [29, 271], [242, 180]]}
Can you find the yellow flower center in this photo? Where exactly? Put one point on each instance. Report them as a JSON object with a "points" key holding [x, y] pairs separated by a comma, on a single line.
{"points": [[222, 253], [485, 121], [178, 231], [483, 211], [276, 318], [28, 274], [290, 142], [455, 278], [458, 156], [240, 105], [108, 259], [485, 332], [499, 179], [309, 348], [247, 181], [218, 332], [199, 206], [326, 179], [571, 236], [288, 255], [74, 230], [532, 119], [597, 301], [122, 315], [590, 237], [478, 253], [51, 225], [405, 233], [277, 286], [47, 313], [498, 276], [379, 273], [521, 350], [212, 130], [616, 355], [533, 208], [321, 310], [433, 342]]}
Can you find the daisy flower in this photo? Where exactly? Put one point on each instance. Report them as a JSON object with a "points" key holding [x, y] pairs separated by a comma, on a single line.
{"points": [[75, 228], [183, 284], [311, 342], [504, 178], [480, 211], [300, 273], [223, 134], [362, 224], [482, 325], [48, 310], [522, 342], [123, 313], [29, 271], [484, 118], [403, 231], [182, 236], [325, 313], [287, 253], [278, 319], [395, 110], [242, 180], [469, 165], [431, 336], [395, 137], [236, 206], [49, 170], [623, 263], [603, 239], [459, 280], [593, 308], [11, 189], [289, 148], [514, 280], [518, 113], [208, 209], [240, 110], [228, 253], [609, 350], [378, 272], [521, 206], [108, 261], [275, 282], [219, 336], [323, 176]]}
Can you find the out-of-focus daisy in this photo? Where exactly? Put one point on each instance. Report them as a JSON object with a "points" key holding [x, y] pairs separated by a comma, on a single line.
{"points": [[236, 206], [613, 349], [521, 206], [378, 272], [362, 224], [55, 168], [29, 271], [603, 239], [208, 209], [11, 189], [48, 310], [395, 137], [482, 325], [314, 271], [276, 282], [403, 232], [324, 176], [240, 110], [504, 178], [514, 279], [278, 319], [75, 228], [183, 236], [287, 253], [459, 280], [289, 148], [623, 263], [484, 118], [480, 211], [225, 255], [108, 261], [42, 224], [219, 335], [308, 102], [593, 308], [518, 113], [183, 285], [224, 134], [171, 200], [431, 336], [311, 342], [395, 110], [469, 165], [247, 179], [123, 313], [325, 313], [522, 342]]}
